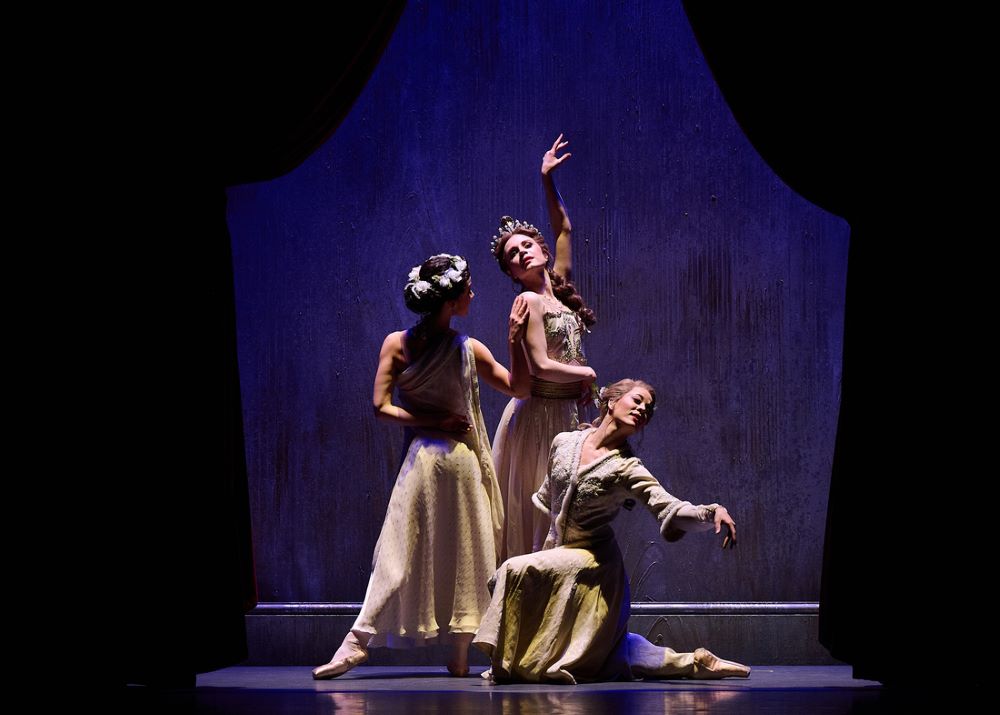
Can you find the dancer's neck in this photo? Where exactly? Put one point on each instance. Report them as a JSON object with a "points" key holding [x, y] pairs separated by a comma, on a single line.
{"points": [[541, 284], [608, 434], [434, 325]]}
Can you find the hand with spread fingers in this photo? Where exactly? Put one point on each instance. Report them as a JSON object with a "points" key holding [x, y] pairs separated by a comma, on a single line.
{"points": [[550, 160], [518, 322]]}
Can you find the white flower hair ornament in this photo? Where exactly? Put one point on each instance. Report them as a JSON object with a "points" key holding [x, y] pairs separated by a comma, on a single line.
{"points": [[453, 276]]}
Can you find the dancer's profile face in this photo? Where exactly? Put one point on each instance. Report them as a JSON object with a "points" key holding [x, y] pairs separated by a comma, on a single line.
{"points": [[633, 409], [523, 254], [463, 301]]}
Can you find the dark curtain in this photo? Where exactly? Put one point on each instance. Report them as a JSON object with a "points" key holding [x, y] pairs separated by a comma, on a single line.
{"points": [[244, 103], [825, 93]]}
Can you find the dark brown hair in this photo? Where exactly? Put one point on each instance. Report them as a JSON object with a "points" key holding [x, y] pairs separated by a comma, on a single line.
{"points": [[430, 300], [563, 289]]}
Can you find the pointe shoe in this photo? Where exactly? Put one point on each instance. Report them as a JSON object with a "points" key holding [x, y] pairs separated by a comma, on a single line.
{"points": [[339, 667], [708, 666]]}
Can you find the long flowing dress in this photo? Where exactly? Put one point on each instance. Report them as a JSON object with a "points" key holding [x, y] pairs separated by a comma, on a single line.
{"points": [[561, 615], [438, 545], [527, 427]]}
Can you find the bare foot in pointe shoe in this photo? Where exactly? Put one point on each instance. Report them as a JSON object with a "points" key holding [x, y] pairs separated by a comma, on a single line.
{"points": [[707, 665], [350, 654]]}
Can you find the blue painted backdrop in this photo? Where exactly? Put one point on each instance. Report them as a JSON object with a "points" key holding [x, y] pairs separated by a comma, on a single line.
{"points": [[710, 278]]}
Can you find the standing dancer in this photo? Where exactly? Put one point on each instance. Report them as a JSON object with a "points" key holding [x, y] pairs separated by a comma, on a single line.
{"points": [[552, 347], [439, 542]]}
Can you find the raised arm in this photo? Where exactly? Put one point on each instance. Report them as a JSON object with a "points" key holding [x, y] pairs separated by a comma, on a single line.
{"points": [[536, 352], [391, 361], [562, 229]]}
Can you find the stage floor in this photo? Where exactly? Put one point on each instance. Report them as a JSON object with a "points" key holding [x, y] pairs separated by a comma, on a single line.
{"points": [[291, 690]]}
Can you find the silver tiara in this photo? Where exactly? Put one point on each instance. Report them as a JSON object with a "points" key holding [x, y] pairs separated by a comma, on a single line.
{"points": [[508, 226]]}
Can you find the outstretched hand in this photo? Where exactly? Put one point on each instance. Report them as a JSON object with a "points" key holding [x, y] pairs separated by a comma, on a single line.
{"points": [[549, 160], [722, 518], [519, 313]]}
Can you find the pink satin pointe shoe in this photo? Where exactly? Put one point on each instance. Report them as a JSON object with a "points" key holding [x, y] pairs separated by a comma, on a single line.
{"points": [[707, 666], [339, 666]]}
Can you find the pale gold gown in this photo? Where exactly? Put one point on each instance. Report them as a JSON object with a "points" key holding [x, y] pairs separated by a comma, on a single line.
{"points": [[561, 615]]}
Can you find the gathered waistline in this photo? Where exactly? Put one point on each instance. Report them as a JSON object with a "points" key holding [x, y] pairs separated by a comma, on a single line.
{"points": [[554, 390]]}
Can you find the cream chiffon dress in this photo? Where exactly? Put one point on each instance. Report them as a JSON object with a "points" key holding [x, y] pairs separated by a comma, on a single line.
{"points": [[439, 543], [524, 436]]}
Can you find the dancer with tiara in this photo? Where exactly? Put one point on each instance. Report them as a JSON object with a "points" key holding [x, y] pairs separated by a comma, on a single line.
{"points": [[553, 349], [439, 543], [561, 615]]}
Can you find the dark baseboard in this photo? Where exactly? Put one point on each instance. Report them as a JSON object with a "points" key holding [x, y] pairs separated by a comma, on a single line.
{"points": [[772, 633]]}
